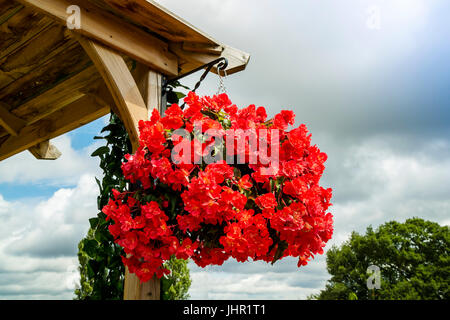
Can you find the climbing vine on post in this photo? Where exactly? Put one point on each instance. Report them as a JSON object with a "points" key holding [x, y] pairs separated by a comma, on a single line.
{"points": [[101, 269]]}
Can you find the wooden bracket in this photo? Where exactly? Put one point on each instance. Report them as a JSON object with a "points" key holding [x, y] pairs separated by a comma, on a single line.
{"points": [[124, 90], [45, 151], [237, 60]]}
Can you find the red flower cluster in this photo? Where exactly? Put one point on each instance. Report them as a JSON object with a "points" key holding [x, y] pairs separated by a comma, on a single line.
{"points": [[244, 207]]}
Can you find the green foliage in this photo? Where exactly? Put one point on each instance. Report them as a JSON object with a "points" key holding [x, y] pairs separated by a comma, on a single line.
{"points": [[413, 258], [176, 285], [101, 269]]}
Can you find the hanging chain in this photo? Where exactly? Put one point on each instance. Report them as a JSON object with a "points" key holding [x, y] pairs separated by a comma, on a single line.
{"points": [[222, 88]]}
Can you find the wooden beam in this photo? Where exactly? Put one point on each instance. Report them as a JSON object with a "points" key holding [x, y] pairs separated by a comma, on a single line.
{"points": [[44, 49], [12, 33], [203, 47], [113, 32], [152, 15], [8, 10], [71, 117], [150, 86], [45, 151], [237, 60], [10, 122], [57, 97], [129, 102]]}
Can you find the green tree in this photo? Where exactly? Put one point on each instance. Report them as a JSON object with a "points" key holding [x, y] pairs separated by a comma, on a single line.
{"points": [[175, 286], [413, 258]]}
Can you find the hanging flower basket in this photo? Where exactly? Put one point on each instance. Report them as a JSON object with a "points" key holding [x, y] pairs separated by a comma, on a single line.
{"points": [[212, 182]]}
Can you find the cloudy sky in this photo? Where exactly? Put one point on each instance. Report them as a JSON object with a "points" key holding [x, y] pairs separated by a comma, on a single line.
{"points": [[371, 81]]}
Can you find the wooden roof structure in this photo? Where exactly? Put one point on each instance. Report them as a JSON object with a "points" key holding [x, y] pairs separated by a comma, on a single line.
{"points": [[54, 79]]}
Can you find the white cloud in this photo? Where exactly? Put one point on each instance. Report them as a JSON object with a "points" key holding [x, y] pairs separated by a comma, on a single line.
{"points": [[24, 168], [258, 280], [39, 239], [397, 186], [53, 227], [344, 80]]}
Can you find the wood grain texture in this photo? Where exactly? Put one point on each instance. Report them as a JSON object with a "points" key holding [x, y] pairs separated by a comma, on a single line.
{"points": [[113, 32], [12, 124], [158, 19], [237, 60], [16, 30], [8, 10], [149, 84], [71, 117], [6, 5], [38, 51], [45, 151], [22, 91], [202, 47], [135, 290], [58, 96]]}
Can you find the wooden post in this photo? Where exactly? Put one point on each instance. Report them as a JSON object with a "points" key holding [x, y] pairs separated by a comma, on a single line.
{"points": [[135, 96], [150, 86]]}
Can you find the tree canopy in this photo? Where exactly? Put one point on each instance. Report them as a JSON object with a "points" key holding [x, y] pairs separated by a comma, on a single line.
{"points": [[413, 259]]}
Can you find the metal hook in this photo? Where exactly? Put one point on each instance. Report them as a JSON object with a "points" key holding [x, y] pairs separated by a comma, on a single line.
{"points": [[222, 65]]}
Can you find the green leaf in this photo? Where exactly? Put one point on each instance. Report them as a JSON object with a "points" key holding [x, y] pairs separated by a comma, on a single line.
{"points": [[100, 151], [180, 95], [99, 184], [93, 222], [101, 235], [90, 247]]}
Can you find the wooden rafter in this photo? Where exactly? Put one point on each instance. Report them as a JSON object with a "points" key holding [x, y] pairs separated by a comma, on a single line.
{"points": [[152, 15], [69, 118], [13, 24], [12, 124], [114, 32], [57, 97]]}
